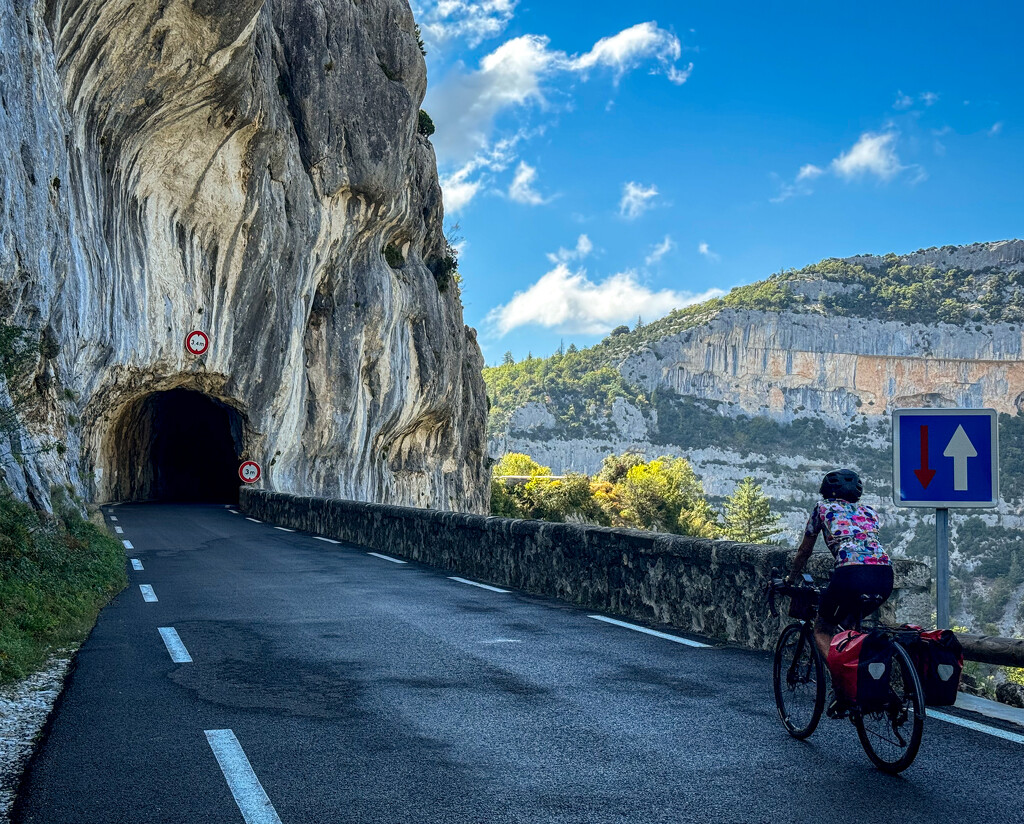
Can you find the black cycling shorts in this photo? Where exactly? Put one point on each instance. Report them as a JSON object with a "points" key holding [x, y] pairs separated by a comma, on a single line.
{"points": [[841, 600]]}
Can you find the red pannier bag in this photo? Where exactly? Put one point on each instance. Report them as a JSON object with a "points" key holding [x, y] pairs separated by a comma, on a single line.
{"points": [[860, 663], [939, 660]]}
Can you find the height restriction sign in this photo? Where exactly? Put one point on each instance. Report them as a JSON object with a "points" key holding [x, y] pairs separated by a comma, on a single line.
{"points": [[945, 458]]}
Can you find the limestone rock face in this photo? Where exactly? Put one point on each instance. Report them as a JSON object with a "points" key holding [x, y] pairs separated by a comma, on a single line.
{"points": [[786, 363], [238, 168]]}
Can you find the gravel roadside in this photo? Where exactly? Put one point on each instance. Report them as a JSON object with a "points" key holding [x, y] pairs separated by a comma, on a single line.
{"points": [[24, 708]]}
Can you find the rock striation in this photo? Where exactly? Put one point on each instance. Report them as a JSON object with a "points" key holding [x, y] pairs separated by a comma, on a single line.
{"points": [[251, 169], [786, 363]]}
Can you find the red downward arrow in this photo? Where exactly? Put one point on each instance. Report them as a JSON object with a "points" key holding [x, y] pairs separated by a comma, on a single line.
{"points": [[924, 474]]}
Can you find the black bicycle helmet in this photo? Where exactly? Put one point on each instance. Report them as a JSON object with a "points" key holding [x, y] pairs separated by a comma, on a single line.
{"points": [[844, 484]]}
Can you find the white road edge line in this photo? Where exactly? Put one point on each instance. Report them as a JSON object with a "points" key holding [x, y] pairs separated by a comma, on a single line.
{"points": [[475, 584], [147, 593], [653, 632], [385, 558], [253, 520], [328, 540], [1017, 738], [284, 529], [118, 530], [249, 794], [127, 544], [137, 565], [178, 653]]}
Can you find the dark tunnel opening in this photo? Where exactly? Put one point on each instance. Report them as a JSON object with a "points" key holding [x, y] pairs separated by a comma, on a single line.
{"points": [[178, 445]]}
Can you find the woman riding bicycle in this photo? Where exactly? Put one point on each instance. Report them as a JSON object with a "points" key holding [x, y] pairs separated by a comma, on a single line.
{"points": [[850, 531]]}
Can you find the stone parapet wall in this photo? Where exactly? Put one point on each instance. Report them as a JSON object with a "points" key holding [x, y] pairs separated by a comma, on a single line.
{"points": [[713, 588]]}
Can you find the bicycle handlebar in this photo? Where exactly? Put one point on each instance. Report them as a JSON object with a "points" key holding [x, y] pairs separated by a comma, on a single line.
{"points": [[778, 585]]}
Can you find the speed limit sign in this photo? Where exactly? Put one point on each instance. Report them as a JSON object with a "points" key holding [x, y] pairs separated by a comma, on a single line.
{"points": [[250, 472], [197, 342]]}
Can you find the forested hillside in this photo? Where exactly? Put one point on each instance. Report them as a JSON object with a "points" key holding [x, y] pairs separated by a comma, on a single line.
{"points": [[780, 380]]}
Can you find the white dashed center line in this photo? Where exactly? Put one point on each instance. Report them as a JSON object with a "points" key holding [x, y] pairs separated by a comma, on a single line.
{"points": [[653, 632], [234, 512], [284, 529], [249, 794], [136, 564], [118, 530], [113, 518], [974, 725], [475, 584], [127, 544], [385, 558], [253, 520], [179, 655], [328, 540], [147, 593]]}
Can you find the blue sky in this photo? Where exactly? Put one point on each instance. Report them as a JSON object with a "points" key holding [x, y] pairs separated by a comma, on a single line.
{"points": [[608, 160]]}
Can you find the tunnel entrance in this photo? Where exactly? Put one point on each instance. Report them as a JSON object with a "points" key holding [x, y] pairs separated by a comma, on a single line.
{"points": [[177, 445]]}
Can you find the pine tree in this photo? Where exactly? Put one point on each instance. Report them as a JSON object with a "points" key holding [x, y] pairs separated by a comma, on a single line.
{"points": [[508, 360], [748, 515]]}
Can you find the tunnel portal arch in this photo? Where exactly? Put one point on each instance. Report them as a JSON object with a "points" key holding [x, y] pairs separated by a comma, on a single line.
{"points": [[176, 445]]}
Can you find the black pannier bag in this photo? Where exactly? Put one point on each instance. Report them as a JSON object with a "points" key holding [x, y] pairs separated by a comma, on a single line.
{"points": [[939, 660]]}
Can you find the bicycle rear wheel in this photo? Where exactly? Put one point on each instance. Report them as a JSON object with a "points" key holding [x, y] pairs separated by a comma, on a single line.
{"points": [[891, 735], [799, 679]]}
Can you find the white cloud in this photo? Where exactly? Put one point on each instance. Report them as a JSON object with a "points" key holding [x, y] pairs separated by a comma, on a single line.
{"points": [[659, 251], [903, 101], [705, 250], [928, 98], [996, 129], [572, 303], [443, 21], [521, 190], [462, 185], [583, 248], [809, 171], [521, 73], [631, 47], [636, 199], [873, 153], [458, 191]]}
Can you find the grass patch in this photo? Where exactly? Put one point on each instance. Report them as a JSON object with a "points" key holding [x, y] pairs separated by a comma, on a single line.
{"points": [[56, 573]]}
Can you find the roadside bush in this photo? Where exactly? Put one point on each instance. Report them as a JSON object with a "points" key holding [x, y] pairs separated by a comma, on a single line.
{"points": [[56, 573]]}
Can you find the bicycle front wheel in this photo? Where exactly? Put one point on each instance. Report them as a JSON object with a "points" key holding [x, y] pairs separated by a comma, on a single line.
{"points": [[891, 735], [799, 681]]}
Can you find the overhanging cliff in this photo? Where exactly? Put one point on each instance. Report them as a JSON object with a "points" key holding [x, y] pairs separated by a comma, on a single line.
{"points": [[238, 168]]}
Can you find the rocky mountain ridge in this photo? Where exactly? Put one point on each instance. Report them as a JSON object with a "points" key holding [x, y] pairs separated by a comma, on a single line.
{"points": [[787, 378]]}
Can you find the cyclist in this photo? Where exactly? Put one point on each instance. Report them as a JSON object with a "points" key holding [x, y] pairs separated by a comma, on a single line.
{"points": [[850, 531]]}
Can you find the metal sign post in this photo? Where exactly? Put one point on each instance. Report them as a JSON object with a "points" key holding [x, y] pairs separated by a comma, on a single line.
{"points": [[942, 568], [945, 459]]}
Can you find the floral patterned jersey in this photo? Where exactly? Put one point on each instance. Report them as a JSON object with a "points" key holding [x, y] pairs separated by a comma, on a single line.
{"points": [[849, 531]]}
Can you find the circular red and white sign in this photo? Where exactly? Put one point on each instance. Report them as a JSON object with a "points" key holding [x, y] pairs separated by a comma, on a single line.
{"points": [[250, 472], [197, 342]]}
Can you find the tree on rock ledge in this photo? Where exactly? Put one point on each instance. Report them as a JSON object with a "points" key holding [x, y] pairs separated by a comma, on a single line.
{"points": [[748, 515]]}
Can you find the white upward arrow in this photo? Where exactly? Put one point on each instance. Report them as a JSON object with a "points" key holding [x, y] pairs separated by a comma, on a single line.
{"points": [[960, 449]]}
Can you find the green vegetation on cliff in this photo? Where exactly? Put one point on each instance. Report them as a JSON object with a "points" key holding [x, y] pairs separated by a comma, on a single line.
{"points": [[56, 573], [573, 383]]}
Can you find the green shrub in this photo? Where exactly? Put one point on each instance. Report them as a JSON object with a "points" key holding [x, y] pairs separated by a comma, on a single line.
{"points": [[425, 125], [393, 256], [56, 573]]}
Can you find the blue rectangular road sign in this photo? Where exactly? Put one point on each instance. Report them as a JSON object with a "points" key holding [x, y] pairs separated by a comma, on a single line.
{"points": [[945, 458]]}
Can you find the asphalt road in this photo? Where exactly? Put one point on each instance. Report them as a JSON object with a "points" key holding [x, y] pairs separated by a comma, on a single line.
{"points": [[361, 690]]}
